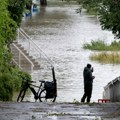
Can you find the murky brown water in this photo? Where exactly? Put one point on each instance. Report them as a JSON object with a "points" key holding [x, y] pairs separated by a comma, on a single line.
{"points": [[61, 33]]}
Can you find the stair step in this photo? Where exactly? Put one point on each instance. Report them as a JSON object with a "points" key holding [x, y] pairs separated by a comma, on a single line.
{"points": [[24, 59], [25, 64]]}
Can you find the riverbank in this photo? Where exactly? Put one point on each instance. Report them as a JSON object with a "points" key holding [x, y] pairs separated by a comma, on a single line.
{"points": [[59, 111]]}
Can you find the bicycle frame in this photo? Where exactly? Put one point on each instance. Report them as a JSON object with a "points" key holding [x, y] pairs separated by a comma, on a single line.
{"points": [[43, 93], [54, 80], [40, 88], [36, 93]]}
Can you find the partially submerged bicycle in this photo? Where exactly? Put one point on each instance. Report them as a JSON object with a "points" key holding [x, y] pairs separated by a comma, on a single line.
{"points": [[47, 91]]}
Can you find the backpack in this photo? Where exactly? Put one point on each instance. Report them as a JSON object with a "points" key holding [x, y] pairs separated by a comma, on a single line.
{"points": [[50, 89]]}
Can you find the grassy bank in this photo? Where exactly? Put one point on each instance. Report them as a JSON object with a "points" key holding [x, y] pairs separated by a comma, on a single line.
{"points": [[104, 56], [102, 46]]}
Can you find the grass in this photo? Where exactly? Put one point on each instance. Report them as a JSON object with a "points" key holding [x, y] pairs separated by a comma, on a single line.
{"points": [[104, 57], [100, 45]]}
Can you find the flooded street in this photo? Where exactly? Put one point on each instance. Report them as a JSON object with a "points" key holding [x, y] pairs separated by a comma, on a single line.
{"points": [[60, 32]]}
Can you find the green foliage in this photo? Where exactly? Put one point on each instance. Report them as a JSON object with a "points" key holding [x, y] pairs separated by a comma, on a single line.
{"points": [[95, 45], [7, 32], [10, 76], [109, 13], [6, 87], [102, 46], [115, 45], [7, 25], [110, 16], [92, 6], [24, 76], [10, 81], [16, 8]]}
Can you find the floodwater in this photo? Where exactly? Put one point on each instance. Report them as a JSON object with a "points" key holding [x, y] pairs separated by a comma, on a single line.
{"points": [[60, 32]]}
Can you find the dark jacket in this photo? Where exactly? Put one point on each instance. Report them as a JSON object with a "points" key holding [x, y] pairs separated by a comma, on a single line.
{"points": [[87, 74]]}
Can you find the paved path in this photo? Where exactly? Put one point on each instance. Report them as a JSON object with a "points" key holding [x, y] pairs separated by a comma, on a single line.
{"points": [[59, 111]]}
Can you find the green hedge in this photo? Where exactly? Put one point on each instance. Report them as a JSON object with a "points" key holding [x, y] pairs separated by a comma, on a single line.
{"points": [[10, 76], [10, 82], [6, 87]]}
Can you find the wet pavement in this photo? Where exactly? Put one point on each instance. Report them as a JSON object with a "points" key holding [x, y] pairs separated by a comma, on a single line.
{"points": [[59, 111]]}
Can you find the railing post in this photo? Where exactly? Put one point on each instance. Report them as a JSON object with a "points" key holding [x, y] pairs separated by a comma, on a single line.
{"points": [[32, 68], [29, 47], [19, 60], [18, 35], [21, 54], [36, 46]]}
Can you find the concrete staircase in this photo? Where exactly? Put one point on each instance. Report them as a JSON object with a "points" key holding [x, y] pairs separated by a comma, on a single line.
{"points": [[22, 58], [28, 56]]}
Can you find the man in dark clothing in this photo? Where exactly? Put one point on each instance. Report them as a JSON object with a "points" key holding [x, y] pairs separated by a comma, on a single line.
{"points": [[88, 80]]}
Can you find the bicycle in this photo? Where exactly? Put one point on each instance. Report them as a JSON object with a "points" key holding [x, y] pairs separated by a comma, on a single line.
{"points": [[47, 91]]}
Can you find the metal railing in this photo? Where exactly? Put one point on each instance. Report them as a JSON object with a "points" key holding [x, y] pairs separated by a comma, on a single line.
{"points": [[37, 53], [20, 53], [32, 46]]}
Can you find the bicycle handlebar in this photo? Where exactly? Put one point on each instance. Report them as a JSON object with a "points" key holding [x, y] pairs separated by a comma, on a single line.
{"points": [[29, 82], [42, 81], [33, 81]]}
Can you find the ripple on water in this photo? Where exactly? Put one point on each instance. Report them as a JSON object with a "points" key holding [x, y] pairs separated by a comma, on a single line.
{"points": [[61, 33]]}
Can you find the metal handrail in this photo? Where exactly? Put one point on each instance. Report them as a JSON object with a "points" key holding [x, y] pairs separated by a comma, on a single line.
{"points": [[36, 46], [16, 63], [32, 65]]}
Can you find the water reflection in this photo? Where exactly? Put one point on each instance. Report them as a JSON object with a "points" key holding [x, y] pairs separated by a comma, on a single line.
{"points": [[61, 33]]}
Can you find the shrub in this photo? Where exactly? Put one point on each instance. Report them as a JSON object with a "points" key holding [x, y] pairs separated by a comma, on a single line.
{"points": [[95, 45], [10, 77], [18, 76], [6, 87], [11, 82]]}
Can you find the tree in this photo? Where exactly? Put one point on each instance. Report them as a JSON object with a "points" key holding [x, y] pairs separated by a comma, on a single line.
{"points": [[10, 75], [92, 6], [7, 32], [110, 16], [16, 8]]}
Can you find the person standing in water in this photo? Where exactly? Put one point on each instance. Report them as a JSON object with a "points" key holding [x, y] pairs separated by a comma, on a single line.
{"points": [[88, 83]]}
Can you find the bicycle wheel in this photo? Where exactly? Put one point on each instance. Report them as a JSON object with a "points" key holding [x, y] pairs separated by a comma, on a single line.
{"points": [[21, 96], [42, 97]]}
